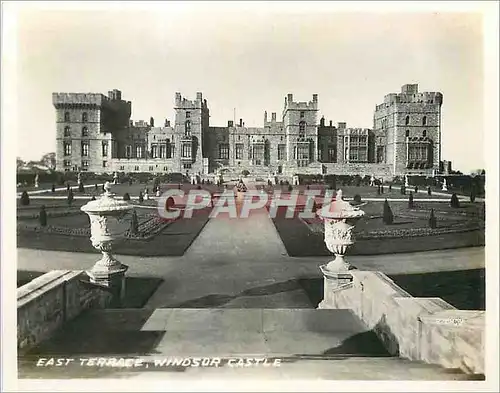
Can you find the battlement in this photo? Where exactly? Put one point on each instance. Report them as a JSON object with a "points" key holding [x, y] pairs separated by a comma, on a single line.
{"points": [[291, 104], [183, 103], [410, 95], [60, 99]]}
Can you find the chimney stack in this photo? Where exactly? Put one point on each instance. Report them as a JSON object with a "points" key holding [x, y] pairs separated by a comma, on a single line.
{"points": [[290, 97], [315, 98], [273, 116], [241, 122], [331, 123], [230, 123]]}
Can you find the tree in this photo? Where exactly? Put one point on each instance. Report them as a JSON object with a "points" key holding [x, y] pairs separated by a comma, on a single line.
{"points": [[70, 196], [134, 224], [49, 160], [432, 220], [42, 218], [19, 163], [25, 199], [388, 216], [141, 197]]}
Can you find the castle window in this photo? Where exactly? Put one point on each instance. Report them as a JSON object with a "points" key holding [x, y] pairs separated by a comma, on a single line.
{"points": [[85, 149], [302, 114], [188, 115], [224, 151], [66, 116], [163, 151], [85, 165], [67, 163], [85, 117], [151, 168], [85, 131], [188, 128], [187, 165], [186, 150], [104, 164], [281, 152], [239, 151], [104, 149], [165, 168], [138, 151], [302, 129], [67, 131], [67, 148], [136, 168], [122, 167], [128, 151], [154, 151], [424, 133], [424, 121], [407, 134], [332, 153], [407, 120]]}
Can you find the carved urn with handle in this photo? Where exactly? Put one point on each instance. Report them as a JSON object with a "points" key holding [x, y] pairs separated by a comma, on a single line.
{"points": [[109, 221], [339, 218]]}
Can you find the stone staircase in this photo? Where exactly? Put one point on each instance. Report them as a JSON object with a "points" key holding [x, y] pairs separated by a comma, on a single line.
{"points": [[309, 343]]}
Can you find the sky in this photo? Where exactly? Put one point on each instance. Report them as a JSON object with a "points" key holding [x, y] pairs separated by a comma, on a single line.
{"points": [[245, 58]]}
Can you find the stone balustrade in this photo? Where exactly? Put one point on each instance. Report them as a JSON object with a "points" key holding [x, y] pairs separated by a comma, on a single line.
{"points": [[419, 329], [47, 302]]}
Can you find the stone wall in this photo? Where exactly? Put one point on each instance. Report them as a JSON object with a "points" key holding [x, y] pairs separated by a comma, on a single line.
{"points": [[47, 302], [420, 329]]}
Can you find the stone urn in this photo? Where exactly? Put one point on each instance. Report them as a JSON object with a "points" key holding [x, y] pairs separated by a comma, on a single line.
{"points": [[339, 219], [108, 224]]}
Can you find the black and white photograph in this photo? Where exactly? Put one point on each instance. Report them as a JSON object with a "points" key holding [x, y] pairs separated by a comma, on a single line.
{"points": [[249, 196]]}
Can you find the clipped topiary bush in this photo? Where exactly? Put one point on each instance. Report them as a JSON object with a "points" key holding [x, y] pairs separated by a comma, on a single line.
{"points": [[245, 172], [126, 196], [454, 201], [432, 220], [25, 198], [357, 198], [429, 190], [134, 223], [411, 204], [141, 197], [290, 188], [53, 189], [70, 196], [388, 215], [42, 218]]}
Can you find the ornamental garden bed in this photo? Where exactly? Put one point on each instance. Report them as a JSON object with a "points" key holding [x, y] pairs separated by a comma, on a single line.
{"points": [[72, 233], [410, 231]]}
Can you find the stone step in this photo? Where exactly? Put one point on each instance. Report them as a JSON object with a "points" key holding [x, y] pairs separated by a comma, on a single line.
{"points": [[327, 344]]}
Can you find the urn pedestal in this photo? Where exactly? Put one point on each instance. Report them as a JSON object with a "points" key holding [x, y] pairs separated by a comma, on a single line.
{"points": [[108, 224], [339, 218]]}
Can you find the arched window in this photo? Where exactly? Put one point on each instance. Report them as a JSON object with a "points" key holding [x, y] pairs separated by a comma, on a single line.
{"points": [[302, 129], [424, 133], [67, 131], [188, 128], [85, 117], [85, 131], [407, 133], [424, 121], [407, 120], [66, 116]]}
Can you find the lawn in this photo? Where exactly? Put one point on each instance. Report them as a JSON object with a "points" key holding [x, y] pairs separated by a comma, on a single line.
{"points": [[467, 223], [173, 240]]}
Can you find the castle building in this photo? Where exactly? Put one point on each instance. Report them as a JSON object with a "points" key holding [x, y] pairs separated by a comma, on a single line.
{"points": [[95, 134]]}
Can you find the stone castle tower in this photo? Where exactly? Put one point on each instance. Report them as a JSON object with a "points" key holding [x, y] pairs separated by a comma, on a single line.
{"points": [[407, 129], [191, 124], [84, 126], [300, 120]]}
